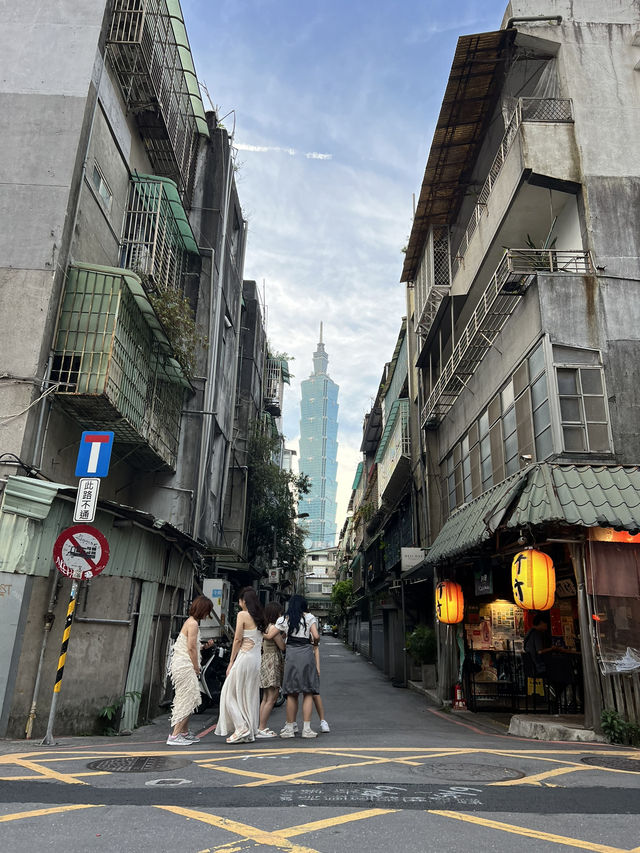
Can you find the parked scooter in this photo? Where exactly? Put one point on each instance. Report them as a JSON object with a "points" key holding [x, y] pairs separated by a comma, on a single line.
{"points": [[213, 673]]}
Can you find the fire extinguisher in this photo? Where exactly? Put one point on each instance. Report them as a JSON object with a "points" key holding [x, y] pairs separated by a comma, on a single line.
{"points": [[459, 703]]}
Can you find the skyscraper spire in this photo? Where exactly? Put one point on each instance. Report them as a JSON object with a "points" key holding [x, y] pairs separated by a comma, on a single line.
{"points": [[320, 357]]}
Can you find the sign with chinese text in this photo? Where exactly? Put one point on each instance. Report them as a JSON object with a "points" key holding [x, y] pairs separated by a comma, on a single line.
{"points": [[86, 499], [81, 552]]}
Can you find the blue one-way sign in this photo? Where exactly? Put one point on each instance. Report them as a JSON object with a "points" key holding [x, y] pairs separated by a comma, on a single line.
{"points": [[94, 454]]}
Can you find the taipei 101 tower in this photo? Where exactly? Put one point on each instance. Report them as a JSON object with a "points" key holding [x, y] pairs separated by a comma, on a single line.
{"points": [[319, 450]]}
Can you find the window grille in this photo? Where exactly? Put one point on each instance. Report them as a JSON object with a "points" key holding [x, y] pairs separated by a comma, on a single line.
{"points": [[148, 65], [116, 372], [156, 236]]}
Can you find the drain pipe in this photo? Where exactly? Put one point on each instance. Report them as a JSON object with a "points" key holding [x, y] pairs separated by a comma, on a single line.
{"points": [[512, 21], [212, 366], [49, 618]]}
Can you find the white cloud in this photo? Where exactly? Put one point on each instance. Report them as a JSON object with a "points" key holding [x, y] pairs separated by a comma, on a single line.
{"points": [[314, 155], [261, 149]]}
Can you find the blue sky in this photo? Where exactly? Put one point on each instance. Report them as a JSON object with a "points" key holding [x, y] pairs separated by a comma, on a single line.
{"points": [[334, 106]]}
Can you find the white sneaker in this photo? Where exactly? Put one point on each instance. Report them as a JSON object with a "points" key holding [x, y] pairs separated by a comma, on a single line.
{"points": [[309, 733], [295, 727], [191, 737], [324, 726], [178, 740], [287, 732]]}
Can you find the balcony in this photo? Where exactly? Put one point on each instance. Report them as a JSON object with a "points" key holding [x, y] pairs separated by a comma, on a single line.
{"points": [[276, 373], [114, 365], [149, 51], [394, 452], [157, 237], [546, 110], [497, 303]]}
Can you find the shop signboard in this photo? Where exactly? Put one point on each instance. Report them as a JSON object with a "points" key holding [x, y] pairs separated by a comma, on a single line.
{"points": [[484, 582]]}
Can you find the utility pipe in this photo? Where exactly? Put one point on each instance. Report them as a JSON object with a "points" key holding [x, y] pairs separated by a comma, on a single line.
{"points": [[215, 321], [234, 390], [49, 618]]}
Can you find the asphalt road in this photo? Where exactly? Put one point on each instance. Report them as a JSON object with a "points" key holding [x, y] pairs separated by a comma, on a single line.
{"points": [[393, 772]]}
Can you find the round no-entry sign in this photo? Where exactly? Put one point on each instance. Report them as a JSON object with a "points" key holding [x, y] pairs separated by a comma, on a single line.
{"points": [[81, 552]]}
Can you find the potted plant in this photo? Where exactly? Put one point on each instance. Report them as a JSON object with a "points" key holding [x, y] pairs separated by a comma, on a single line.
{"points": [[421, 646]]}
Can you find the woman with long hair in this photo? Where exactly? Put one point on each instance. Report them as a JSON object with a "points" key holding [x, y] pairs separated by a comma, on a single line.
{"points": [[271, 667], [240, 697], [185, 669], [300, 670]]}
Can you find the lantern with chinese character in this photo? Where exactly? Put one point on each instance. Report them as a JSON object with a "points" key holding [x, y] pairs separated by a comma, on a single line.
{"points": [[449, 602], [533, 579]]}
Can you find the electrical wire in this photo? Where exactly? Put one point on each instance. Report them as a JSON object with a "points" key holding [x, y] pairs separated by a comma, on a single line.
{"points": [[6, 418]]}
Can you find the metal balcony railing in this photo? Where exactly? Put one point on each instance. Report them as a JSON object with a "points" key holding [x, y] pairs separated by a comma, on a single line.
{"points": [[150, 55], [115, 366], [527, 109], [156, 235], [276, 373], [508, 283]]}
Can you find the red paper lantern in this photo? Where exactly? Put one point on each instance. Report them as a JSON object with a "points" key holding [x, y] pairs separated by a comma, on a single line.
{"points": [[533, 577], [449, 602]]}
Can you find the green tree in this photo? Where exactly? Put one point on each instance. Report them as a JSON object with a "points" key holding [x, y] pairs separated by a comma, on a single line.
{"points": [[272, 500], [341, 598]]}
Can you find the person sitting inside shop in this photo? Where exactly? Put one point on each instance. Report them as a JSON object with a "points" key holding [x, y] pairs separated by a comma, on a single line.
{"points": [[549, 662]]}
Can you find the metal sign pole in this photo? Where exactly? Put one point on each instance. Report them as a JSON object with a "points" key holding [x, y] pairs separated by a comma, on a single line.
{"points": [[48, 738]]}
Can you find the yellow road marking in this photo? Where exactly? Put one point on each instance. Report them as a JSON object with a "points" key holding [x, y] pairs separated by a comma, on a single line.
{"points": [[249, 833], [40, 812], [262, 777], [48, 772], [529, 833], [547, 774], [314, 825], [295, 777]]}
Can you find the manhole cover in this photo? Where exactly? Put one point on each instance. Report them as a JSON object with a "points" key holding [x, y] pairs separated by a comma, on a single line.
{"points": [[631, 765], [167, 783], [138, 764], [459, 771]]}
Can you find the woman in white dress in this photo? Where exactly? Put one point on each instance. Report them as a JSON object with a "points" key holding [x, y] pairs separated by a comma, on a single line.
{"points": [[185, 669], [240, 697]]}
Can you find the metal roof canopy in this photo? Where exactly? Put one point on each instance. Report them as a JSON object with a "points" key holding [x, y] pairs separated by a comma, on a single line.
{"points": [[543, 493], [468, 102]]}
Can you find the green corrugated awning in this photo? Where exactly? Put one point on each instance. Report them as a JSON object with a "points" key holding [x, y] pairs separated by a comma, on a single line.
{"points": [[175, 203], [172, 367], [396, 409], [583, 495], [191, 79], [358, 477]]}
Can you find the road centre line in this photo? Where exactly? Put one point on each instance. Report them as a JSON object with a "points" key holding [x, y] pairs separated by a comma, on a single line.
{"points": [[41, 812], [529, 833]]}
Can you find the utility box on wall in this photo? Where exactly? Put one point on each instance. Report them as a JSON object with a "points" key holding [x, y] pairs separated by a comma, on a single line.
{"points": [[219, 591]]}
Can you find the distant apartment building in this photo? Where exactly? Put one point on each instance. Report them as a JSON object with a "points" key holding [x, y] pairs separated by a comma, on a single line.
{"points": [[319, 450], [319, 578]]}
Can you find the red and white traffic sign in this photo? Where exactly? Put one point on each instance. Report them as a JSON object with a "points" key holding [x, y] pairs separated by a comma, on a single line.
{"points": [[81, 552]]}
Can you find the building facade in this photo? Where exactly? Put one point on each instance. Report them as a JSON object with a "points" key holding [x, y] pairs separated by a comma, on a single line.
{"points": [[319, 451], [121, 285], [319, 578], [522, 270]]}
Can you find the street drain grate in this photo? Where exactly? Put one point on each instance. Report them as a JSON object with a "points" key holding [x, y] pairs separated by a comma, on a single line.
{"points": [[138, 764], [167, 783], [461, 771], [631, 765]]}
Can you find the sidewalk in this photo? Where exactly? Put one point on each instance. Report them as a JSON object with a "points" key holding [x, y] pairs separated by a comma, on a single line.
{"points": [[552, 727]]}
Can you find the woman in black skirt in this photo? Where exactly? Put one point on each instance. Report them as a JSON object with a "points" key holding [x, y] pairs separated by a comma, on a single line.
{"points": [[300, 671]]}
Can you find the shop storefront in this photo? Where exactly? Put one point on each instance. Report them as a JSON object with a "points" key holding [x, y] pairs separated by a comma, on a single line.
{"points": [[583, 522]]}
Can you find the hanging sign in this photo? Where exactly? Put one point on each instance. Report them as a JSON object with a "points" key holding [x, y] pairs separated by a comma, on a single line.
{"points": [[94, 454], [81, 552]]}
